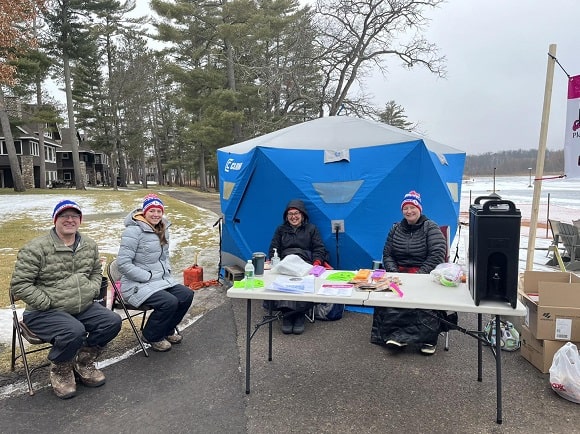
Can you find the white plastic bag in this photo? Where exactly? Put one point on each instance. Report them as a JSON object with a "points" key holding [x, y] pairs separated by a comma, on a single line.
{"points": [[292, 265], [565, 373], [447, 274]]}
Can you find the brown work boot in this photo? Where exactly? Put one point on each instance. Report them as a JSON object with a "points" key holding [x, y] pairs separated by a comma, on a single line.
{"points": [[63, 380], [85, 369], [175, 338]]}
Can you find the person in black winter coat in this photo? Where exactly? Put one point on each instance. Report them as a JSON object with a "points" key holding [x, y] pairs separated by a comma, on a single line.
{"points": [[297, 236], [414, 245]]}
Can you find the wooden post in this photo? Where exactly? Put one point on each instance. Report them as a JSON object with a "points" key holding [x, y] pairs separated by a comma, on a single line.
{"points": [[541, 156]]}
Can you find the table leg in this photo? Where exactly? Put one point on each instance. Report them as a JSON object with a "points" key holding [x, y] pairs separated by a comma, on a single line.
{"points": [[270, 332], [498, 368], [248, 338], [479, 350]]}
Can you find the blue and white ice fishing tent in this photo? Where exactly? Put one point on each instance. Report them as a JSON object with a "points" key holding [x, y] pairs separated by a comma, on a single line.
{"points": [[344, 168]]}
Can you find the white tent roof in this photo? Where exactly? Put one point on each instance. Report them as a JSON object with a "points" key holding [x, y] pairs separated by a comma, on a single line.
{"points": [[335, 133]]}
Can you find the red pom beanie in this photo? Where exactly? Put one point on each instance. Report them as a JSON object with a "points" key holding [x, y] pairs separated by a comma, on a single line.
{"points": [[152, 201], [412, 198]]}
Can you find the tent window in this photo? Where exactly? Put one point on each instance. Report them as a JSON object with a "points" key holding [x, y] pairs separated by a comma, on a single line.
{"points": [[337, 192], [227, 189], [454, 190]]}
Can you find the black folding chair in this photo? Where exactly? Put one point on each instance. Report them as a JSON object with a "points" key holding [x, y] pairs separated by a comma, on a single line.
{"points": [[20, 333], [129, 310]]}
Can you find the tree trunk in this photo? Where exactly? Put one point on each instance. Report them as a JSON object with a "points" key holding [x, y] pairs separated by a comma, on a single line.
{"points": [[9, 140], [202, 180], [232, 86], [79, 181], [40, 126], [143, 171]]}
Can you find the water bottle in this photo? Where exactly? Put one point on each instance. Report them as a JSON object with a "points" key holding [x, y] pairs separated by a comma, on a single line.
{"points": [[249, 274], [275, 258]]}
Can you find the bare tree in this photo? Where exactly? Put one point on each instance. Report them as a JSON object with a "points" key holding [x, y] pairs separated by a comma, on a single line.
{"points": [[357, 35]]}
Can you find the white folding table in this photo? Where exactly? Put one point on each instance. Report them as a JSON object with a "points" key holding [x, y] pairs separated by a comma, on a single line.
{"points": [[419, 292]]}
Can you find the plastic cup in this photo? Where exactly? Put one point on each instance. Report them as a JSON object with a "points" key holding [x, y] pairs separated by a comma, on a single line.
{"points": [[258, 259]]}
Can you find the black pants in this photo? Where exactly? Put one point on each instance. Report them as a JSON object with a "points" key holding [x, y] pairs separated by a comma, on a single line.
{"points": [[410, 326], [169, 307], [95, 327]]}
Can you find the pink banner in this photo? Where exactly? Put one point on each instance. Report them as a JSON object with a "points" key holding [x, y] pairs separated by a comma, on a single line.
{"points": [[574, 87], [572, 137]]}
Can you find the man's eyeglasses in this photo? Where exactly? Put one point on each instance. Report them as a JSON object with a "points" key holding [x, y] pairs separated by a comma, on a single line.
{"points": [[71, 216], [293, 213]]}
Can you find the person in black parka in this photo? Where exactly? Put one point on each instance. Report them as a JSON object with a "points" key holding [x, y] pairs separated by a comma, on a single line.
{"points": [[414, 245], [299, 237]]}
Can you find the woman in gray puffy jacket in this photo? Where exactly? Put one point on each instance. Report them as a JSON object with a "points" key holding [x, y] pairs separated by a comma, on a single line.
{"points": [[143, 261], [414, 245]]}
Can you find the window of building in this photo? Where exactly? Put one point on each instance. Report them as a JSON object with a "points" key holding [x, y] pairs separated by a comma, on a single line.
{"points": [[65, 156], [34, 149], [67, 176], [49, 154], [17, 146], [50, 176]]}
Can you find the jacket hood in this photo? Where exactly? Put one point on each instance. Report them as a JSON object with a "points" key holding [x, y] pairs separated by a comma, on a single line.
{"points": [[299, 205]]}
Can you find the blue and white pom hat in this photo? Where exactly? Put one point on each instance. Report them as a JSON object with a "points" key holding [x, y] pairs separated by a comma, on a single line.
{"points": [[152, 201], [65, 204], [412, 198]]}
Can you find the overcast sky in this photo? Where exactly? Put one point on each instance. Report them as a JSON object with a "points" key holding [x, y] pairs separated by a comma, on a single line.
{"points": [[497, 57]]}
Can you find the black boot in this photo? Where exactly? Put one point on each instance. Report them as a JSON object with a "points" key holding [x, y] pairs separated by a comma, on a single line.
{"points": [[298, 327], [287, 323]]}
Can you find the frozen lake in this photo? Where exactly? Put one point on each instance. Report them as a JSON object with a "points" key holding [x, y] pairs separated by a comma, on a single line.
{"points": [[559, 197], [559, 200]]}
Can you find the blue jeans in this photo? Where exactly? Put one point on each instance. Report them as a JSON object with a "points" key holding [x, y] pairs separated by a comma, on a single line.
{"points": [[169, 307], [95, 327]]}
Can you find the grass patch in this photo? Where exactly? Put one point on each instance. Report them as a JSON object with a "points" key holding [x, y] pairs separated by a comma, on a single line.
{"points": [[191, 229]]}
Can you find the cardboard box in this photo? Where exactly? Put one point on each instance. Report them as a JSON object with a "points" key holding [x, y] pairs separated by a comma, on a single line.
{"points": [[552, 300], [539, 353]]}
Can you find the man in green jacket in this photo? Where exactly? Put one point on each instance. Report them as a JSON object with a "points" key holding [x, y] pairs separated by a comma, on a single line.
{"points": [[58, 276]]}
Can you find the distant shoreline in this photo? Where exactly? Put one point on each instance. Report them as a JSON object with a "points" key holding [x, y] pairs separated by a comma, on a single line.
{"points": [[464, 218]]}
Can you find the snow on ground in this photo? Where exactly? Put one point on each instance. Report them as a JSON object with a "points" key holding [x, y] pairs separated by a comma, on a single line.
{"points": [[106, 231]]}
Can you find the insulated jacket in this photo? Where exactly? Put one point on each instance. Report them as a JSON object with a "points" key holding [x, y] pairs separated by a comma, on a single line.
{"points": [[142, 260], [304, 241], [51, 276], [420, 245]]}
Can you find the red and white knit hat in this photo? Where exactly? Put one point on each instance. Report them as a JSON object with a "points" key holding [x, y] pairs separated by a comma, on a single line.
{"points": [[412, 198], [65, 204], [152, 201]]}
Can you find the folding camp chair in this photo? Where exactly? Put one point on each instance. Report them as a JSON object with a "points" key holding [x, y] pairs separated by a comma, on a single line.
{"points": [[555, 228], [570, 238], [129, 310], [21, 332]]}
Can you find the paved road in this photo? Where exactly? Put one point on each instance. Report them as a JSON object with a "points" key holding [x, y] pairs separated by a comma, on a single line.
{"points": [[208, 201], [328, 380]]}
